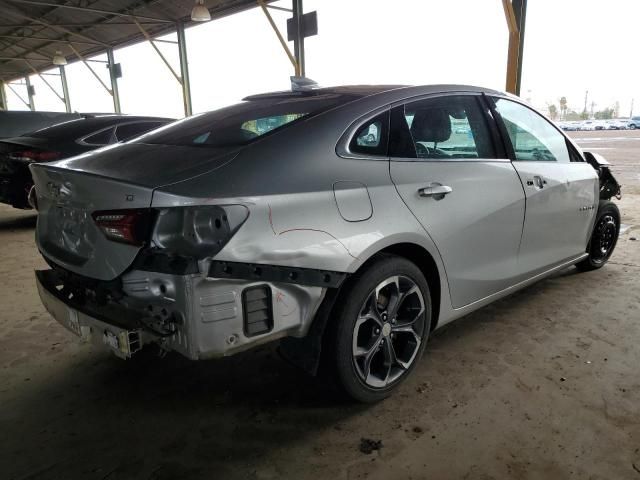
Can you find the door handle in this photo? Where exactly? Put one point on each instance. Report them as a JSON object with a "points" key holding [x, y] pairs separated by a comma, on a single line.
{"points": [[537, 182], [435, 190]]}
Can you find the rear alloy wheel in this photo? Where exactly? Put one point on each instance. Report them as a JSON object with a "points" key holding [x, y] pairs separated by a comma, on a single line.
{"points": [[604, 237], [383, 328]]}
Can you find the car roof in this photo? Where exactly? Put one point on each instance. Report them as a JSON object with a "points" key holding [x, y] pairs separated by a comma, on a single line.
{"points": [[85, 126], [361, 91]]}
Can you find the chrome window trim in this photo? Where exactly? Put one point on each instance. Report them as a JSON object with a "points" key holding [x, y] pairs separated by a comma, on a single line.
{"points": [[342, 147], [81, 140], [114, 137]]}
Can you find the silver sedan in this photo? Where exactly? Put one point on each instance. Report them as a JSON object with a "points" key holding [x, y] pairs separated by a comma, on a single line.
{"points": [[347, 222]]}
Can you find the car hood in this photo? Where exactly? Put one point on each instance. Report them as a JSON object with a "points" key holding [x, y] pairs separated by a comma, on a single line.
{"points": [[148, 165]]}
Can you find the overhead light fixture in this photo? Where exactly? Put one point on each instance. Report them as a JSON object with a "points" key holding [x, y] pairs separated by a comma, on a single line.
{"points": [[58, 59], [200, 13]]}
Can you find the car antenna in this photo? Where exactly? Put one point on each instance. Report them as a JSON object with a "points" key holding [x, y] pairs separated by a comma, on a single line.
{"points": [[302, 84]]}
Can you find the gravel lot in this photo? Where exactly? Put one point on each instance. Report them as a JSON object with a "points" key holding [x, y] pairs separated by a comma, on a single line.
{"points": [[541, 385]]}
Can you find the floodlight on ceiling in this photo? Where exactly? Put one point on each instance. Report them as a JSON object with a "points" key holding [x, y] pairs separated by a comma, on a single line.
{"points": [[58, 59], [200, 13]]}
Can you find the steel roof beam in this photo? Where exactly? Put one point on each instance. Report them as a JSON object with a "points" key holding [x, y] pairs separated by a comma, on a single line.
{"points": [[82, 59], [79, 25], [292, 59], [46, 82], [26, 59], [89, 10], [18, 13], [18, 95], [54, 40], [155, 47]]}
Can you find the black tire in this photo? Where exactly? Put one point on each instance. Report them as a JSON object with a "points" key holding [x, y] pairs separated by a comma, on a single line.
{"points": [[360, 327], [603, 238]]}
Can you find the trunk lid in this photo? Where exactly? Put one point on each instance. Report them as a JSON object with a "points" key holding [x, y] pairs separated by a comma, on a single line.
{"points": [[122, 177], [149, 165]]}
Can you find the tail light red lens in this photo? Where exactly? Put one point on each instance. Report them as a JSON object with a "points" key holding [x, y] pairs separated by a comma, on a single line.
{"points": [[125, 226], [34, 156]]}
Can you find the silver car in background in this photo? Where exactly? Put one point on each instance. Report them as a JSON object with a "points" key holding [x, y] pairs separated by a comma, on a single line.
{"points": [[349, 222]]}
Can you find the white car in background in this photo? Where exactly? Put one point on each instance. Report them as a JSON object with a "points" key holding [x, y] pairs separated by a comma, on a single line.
{"points": [[619, 124], [587, 125]]}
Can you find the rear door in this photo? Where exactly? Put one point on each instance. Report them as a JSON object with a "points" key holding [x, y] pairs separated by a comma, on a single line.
{"points": [[465, 193], [561, 189]]}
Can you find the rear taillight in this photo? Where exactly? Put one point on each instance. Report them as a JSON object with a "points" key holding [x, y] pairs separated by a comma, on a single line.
{"points": [[34, 156], [125, 226], [197, 232]]}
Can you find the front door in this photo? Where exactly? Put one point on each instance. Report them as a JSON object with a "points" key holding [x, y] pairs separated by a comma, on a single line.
{"points": [[561, 194], [470, 202]]}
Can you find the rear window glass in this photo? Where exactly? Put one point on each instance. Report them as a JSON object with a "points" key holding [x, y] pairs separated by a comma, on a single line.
{"points": [[243, 123], [131, 130], [101, 138]]}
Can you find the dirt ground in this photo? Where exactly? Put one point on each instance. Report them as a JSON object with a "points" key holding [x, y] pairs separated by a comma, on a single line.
{"points": [[541, 385]]}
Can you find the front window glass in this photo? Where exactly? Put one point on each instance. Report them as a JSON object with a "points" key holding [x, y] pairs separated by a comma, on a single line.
{"points": [[450, 127], [245, 122], [533, 138]]}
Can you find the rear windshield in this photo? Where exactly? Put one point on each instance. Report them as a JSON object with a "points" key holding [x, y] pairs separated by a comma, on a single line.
{"points": [[243, 123]]}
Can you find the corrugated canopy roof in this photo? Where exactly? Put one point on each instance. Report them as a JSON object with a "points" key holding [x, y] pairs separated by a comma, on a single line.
{"points": [[33, 30]]}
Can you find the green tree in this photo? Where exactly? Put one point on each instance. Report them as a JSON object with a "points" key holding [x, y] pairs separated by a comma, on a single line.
{"points": [[553, 111], [605, 114], [563, 108]]}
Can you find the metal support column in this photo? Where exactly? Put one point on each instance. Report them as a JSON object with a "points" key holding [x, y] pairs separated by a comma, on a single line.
{"points": [[3, 98], [298, 41], [114, 81], [32, 105], [184, 70], [520, 9], [514, 46], [281, 39], [65, 89]]}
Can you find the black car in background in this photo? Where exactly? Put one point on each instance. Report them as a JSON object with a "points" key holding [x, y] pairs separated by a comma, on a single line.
{"points": [[14, 123], [61, 141]]}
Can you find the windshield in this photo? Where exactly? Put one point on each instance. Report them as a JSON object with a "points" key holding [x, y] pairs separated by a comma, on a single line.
{"points": [[244, 122]]}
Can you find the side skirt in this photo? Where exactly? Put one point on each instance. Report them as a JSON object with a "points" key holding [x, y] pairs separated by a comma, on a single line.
{"points": [[460, 312]]}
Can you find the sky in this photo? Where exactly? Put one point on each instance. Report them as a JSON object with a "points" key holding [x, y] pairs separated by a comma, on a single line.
{"points": [[571, 46]]}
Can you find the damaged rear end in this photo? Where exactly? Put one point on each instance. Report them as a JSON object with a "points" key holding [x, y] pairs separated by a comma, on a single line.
{"points": [[127, 270]]}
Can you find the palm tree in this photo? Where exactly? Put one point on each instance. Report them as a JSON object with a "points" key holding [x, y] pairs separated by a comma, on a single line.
{"points": [[553, 112], [563, 108]]}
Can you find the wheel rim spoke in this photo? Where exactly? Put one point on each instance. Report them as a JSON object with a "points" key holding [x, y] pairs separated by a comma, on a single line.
{"points": [[387, 334]]}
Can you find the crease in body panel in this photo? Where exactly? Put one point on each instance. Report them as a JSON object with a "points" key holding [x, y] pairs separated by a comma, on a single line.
{"points": [[275, 233]]}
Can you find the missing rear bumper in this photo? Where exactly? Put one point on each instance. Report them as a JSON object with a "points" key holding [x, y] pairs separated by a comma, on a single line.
{"points": [[123, 339]]}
